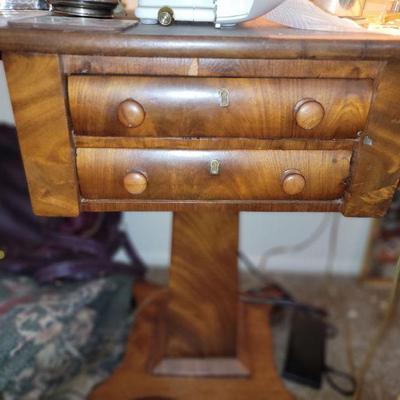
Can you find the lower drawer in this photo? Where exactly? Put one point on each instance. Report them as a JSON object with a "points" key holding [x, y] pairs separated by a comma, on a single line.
{"points": [[212, 174]]}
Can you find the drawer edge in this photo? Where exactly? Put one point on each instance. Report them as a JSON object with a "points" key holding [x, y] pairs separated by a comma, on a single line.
{"points": [[112, 205]]}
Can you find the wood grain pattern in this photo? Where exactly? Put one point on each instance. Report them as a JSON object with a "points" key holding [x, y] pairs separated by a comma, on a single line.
{"points": [[376, 168], [258, 39], [299, 68], [112, 205], [213, 143], [185, 175], [131, 380], [202, 313], [37, 95], [103, 65], [208, 67], [189, 107]]}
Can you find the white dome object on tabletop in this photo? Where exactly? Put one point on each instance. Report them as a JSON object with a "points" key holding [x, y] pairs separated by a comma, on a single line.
{"points": [[219, 12]]}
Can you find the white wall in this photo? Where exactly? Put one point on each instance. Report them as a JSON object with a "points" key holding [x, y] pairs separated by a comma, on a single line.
{"points": [[5, 106], [151, 232]]}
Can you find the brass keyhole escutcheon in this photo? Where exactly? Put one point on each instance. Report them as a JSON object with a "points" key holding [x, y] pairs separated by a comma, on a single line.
{"points": [[215, 167], [224, 98]]}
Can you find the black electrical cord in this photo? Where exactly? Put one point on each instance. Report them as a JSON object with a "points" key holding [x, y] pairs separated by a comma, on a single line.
{"points": [[273, 294], [330, 373], [285, 303]]}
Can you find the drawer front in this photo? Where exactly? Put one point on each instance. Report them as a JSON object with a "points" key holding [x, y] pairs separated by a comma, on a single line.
{"points": [[218, 107], [212, 174]]}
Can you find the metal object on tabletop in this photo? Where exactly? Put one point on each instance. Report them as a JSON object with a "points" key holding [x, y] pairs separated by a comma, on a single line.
{"points": [[84, 8], [165, 16], [23, 5], [219, 12]]}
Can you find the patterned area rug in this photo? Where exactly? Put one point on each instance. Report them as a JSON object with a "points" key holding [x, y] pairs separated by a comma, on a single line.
{"points": [[58, 342]]}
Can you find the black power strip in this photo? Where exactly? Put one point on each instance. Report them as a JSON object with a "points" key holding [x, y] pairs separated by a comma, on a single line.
{"points": [[305, 360]]}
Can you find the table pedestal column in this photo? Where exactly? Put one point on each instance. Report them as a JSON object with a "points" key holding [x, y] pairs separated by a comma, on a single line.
{"points": [[195, 340]]}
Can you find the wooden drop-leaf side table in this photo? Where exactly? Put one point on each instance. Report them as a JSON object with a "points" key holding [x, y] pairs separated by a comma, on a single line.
{"points": [[205, 123]]}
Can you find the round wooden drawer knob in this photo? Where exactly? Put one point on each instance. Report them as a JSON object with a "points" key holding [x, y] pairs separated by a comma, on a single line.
{"points": [[309, 113], [135, 183], [293, 182], [131, 113]]}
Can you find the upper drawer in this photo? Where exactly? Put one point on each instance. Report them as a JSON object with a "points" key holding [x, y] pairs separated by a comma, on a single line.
{"points": [[212, 174], [212, 107]]}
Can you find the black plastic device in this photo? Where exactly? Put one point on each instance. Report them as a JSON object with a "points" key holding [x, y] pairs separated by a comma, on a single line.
{"points": [[305, 359]]}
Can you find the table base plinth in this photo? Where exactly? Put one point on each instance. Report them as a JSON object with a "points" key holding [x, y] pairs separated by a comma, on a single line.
{"points": [[136, 379]]}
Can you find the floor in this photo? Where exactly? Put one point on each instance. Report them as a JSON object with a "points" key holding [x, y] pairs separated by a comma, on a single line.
{"points": [[356, 312]]}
